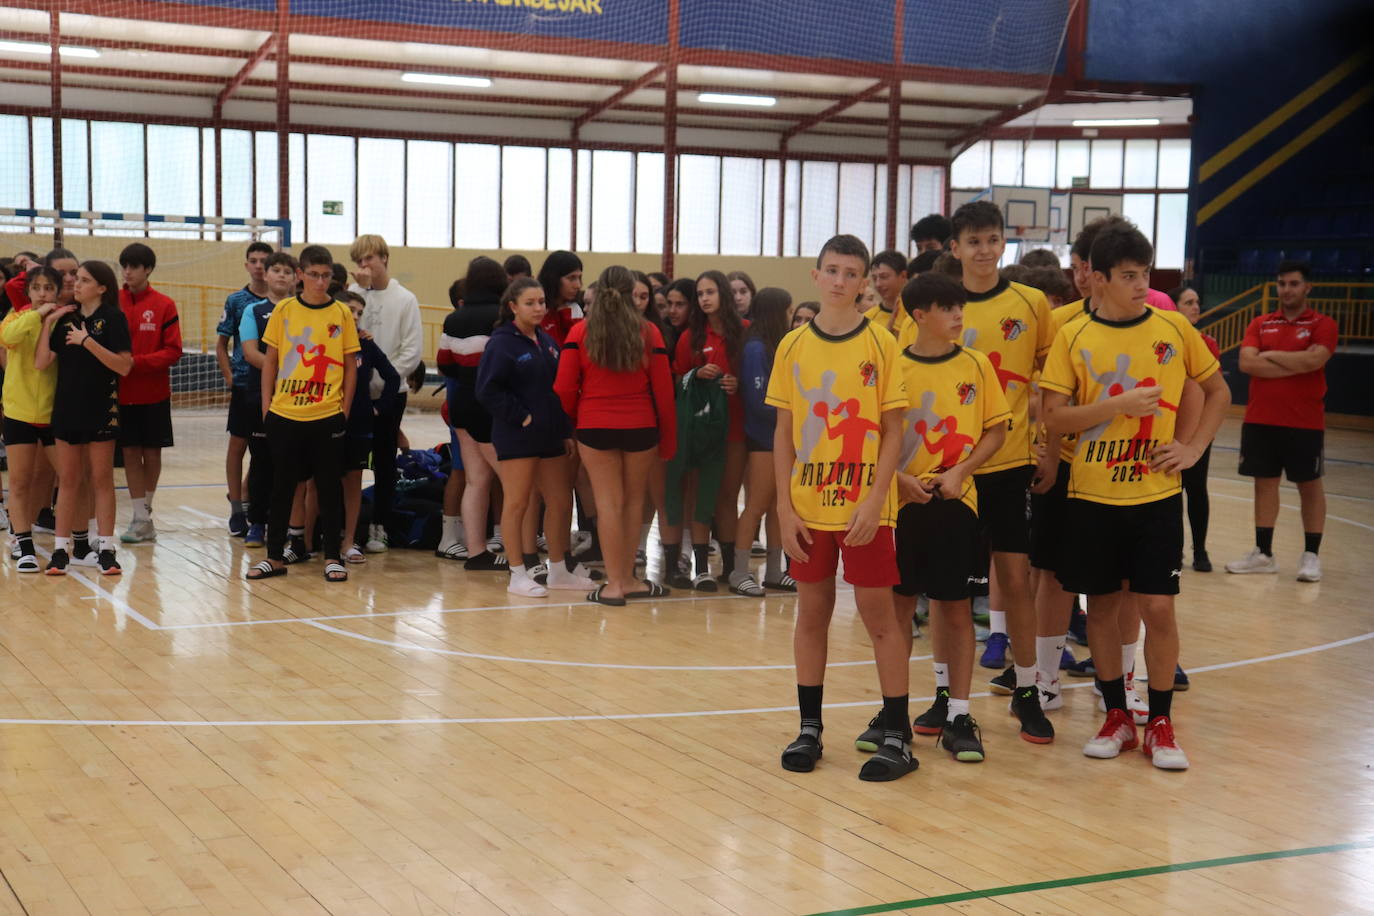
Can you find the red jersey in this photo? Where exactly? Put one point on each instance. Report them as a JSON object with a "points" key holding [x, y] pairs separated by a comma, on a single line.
{"points": [[1295, 401], [16, 291], [713, 351], [1212, 345], [600, 398], [155, 330], [558, 322]]}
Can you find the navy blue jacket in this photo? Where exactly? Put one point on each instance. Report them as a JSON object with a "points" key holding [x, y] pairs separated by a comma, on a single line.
{"points": [[371, 358], [514, 381], [760, 418]]}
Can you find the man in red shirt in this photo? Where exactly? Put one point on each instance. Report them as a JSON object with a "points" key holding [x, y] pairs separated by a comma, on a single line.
{"points": [[145, 394], [1285, 354]]}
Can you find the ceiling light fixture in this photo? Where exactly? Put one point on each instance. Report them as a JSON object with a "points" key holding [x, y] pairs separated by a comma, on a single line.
{"points": [[444, 79], [726, 98], [1115, 122], [35, 47]]}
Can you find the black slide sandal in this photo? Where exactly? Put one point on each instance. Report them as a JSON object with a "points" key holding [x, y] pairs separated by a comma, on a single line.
{"points": [[596, 596], [889, 763], [264, 570], [801, 755], [651, 590]]}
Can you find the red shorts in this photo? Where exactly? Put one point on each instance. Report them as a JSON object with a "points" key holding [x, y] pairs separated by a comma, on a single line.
{"points": [[874, 565]]}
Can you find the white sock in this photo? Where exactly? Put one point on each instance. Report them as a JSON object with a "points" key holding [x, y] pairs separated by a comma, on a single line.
{"points": [[107, 542], [496, 532], [1128, 659], [148, 500], [1048, 651], [140, 506], [62, 544], [518, 572], [1025, 677], [997, 621], [453, 529], [941, 674], [956, 708]]}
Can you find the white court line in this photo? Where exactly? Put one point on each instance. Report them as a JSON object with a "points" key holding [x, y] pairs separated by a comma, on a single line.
{"points": [[393, 644], [218, 520], [118, 602], [1334, 518], [594, 717]]}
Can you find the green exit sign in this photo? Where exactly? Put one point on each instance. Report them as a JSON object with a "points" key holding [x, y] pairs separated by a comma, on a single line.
{"points": [[335, 207]]}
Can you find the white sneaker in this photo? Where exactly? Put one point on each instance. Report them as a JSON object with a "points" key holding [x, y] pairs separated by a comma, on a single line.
{"points": [[90, 559], [376, 539], [521, 584], [1310, 569], [4, 519], [14, 548], [1256, 561], [1051, 695], [560, 578], [579, 541], [1140, 710], [140, 530]]}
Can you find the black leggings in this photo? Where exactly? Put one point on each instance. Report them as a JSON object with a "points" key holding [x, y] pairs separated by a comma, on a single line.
{"points": [[303, 450], [1199, 508], [386, 430], [259, 478]]}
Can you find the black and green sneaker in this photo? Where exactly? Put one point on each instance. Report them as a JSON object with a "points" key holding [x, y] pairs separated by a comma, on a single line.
{"points": [[1025, 705], [872, 736], [1005, 683], [963, 739], [932, 720]]}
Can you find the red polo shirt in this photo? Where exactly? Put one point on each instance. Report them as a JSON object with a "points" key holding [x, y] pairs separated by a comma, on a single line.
{"points": [[1295, 401], [155, 330]]}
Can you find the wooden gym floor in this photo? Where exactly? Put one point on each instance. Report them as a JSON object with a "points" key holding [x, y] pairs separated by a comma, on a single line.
{"points": [[417, 742]]}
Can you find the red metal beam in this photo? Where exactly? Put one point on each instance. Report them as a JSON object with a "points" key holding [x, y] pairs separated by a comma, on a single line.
{"points": [[55, 77], [834, 110], [245, 71], [894, 122], [1077, 40], [650, 76], [670, 150], [282, 59]]}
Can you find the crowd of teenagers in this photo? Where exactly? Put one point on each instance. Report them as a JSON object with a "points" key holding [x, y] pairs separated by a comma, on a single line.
{"points": [[925, 425]]}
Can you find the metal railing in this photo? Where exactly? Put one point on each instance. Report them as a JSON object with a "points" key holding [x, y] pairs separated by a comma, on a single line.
{"points": [[1351, 305]]}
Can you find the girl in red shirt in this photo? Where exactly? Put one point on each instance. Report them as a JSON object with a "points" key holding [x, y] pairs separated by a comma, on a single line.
{"points": [[614, 381], [561, 277], [712, 345]]}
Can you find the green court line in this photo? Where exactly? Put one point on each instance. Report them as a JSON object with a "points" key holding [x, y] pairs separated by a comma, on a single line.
{"points": [[1095, 879]]}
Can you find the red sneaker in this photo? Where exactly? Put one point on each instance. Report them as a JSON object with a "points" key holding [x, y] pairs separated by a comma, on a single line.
{"points": [[1160, 746], [1116, 735]]}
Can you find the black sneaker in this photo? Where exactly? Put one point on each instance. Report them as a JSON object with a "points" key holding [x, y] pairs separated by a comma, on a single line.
{"points": [[45, 522], [57, 563], [486, 561], [1025, 705], [109, 566], [933, 719], [1201, 562], [238, 524], [1078, 626], [872, 736], [963, 739], [1005, 683]]}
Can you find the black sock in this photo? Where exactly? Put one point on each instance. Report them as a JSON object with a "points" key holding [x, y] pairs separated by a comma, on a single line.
{"points": [[895, 724], [1264, 540], [671, 554], [1114, 693], [531, 560], [702, 552], [569, 562], [727, 558], [81, 544], [25, 539], [1312, 541], [1161, 701], [809, 702]]}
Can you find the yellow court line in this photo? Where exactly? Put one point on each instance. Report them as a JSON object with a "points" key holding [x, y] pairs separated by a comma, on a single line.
{"points": [[1300, 101], [1284, 153]]}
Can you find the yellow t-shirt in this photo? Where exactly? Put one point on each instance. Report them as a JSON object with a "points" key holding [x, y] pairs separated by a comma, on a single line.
{"points": [[1093, 359], [1073, 311], [311, 342], [29, 392], [836, 389], [1011, 325], [880, 316], [951, 399]]}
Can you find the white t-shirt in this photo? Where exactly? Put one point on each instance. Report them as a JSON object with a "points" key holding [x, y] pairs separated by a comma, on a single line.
{"points": [[392, 317]]}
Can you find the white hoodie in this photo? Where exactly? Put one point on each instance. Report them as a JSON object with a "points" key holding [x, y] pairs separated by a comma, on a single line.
{"points": [[392, 317]]}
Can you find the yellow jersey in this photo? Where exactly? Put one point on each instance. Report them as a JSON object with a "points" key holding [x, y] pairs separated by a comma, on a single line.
{"points": [[1094, 359], [311, 343], [28, 394], [951, 400], [1012, 326], [836, 389], [893, 321]]}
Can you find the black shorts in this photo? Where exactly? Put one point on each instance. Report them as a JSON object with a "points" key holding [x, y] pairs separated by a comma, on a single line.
{"points": [[17, 432], [146, 425], [1110, 545], [1047, 526], [625, 440], [245, 412], [1267, 451], [1003, 508], [357, 453], [73, 436], [936, 542], [553, 450], [473, 420], [754, 445]]}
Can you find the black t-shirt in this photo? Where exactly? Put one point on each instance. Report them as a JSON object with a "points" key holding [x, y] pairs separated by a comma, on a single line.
{"points": [[87, 392]]}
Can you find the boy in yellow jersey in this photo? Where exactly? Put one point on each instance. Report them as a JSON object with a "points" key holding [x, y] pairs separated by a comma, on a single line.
{"points": [[307, 389], [840, 402], [1010, 324], [888, 274], [1116, 378], [955, 420]]}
